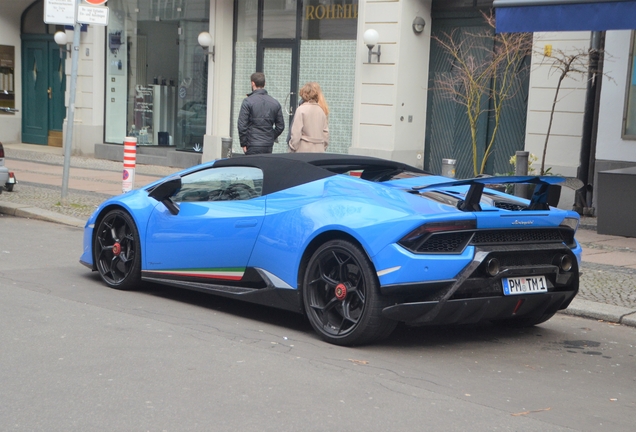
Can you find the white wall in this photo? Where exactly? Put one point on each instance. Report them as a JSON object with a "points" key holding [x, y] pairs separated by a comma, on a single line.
{"points": [[219, 78], [563, 150], [390, 92], [222, 26], [412, 88], [11, 124], [610, 145], [88, 127]]}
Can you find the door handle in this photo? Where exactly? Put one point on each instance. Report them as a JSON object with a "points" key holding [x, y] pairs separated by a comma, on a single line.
{"points": [[50, 91], [288, 108], [246, 223]]}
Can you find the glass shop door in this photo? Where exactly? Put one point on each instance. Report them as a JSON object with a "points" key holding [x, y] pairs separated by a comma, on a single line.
{"points": [[267, 40]]}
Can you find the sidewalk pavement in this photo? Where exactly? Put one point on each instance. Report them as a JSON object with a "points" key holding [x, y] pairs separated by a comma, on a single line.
{"points": [[607, 289]]}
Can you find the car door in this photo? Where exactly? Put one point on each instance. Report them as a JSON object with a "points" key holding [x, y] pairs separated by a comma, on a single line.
{"points": [[212, 236]]}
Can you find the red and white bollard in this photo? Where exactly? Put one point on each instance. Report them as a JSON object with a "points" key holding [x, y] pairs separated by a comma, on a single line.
{"points": [[130, 160]]}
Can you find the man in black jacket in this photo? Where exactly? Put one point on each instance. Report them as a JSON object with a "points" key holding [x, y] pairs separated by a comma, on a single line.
{"points": [[260, 120]]}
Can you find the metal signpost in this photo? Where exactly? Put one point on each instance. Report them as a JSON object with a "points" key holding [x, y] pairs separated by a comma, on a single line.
{"points": [[72, 12]]}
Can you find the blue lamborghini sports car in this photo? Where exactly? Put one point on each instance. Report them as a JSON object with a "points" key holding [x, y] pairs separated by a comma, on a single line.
{"points": [[356, 243]]}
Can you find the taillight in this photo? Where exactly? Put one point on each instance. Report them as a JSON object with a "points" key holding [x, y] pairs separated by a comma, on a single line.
{"points": [[571, 223], [430, 228], [440, 237], [568, 229]]}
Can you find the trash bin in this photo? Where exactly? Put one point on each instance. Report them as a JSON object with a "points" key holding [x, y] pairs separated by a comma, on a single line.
{"points": [[448, 167], [226, 148], [616, 202], [163, 138], [522, 190]]}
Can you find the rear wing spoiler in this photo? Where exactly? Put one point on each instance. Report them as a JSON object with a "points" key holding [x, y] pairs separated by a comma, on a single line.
{"points": [[539, 200]]}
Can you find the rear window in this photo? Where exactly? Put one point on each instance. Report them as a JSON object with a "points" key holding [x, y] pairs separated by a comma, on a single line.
{"points": [[376, 174]]}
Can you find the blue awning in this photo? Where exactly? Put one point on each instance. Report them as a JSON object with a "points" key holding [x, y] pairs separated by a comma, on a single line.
{"points": [[564, 15]]}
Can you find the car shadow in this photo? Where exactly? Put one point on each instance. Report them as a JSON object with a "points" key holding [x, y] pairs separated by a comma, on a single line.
{"points": [[403, 336], [217, 303], [460, 335]]}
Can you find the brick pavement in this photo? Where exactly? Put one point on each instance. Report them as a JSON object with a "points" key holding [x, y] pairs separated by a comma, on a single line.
{"points": [[607, 288]]}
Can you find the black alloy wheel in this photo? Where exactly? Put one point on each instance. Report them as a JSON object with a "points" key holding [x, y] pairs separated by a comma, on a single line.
{"points": [[341, 295], [117, 250]]}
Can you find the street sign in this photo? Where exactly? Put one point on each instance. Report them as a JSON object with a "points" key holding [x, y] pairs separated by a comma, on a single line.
{"points": [[97, 15], [96, 2], [59, 12]]}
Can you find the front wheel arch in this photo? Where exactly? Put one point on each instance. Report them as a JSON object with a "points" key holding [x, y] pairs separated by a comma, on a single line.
{"points": [[133, 277]]}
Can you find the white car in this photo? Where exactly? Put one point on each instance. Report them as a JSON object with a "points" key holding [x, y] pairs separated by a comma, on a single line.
{"points": [[7, 179]]}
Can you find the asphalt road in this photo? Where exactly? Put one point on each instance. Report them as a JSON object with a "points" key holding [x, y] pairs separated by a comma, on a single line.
{"points": [[77, 356]]}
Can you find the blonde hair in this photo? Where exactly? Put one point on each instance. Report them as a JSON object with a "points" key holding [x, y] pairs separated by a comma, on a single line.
{"points": [[312, 92]]}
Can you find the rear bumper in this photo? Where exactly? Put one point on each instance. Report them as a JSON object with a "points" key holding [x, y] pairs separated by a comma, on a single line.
{"points": [[475, 296], [469, 311]]}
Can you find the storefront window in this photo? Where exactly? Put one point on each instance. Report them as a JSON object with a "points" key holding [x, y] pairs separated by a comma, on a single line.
{"points": [[629, 131], [279, 19], [327, 52], [156, 72], [327, 56]]}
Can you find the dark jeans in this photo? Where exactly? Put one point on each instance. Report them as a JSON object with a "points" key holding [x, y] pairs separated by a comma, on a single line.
{"points": [[258, 150]]}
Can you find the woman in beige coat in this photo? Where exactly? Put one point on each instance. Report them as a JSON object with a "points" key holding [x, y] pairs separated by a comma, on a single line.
{"points": [[310, 128]]}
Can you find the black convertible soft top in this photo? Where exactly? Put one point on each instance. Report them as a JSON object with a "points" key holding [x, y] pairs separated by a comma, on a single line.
{"points": [[285, 170]]}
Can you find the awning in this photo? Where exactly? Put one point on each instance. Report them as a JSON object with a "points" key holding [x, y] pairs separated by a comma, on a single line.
{"points": [[564, 15]]}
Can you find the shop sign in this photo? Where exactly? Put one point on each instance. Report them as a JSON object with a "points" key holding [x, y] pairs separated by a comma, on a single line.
{"points": [[97, 15], [331, 11], [60, 12]]}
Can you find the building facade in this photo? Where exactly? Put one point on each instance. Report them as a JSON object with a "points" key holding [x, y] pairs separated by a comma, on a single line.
{"points": [[147, 75]]}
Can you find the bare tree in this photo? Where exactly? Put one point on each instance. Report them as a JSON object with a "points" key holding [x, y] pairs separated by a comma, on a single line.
{"points": [[485, 66]]}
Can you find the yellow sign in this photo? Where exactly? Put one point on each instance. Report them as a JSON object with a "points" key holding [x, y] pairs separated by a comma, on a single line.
{"points": [[320, 12], [547, 50]]}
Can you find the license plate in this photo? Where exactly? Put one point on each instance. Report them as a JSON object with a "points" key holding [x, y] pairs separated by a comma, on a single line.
{"points": [[524, 285]]}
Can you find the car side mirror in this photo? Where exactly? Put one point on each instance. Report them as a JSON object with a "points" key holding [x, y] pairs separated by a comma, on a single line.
{"points": [[163, 191]]}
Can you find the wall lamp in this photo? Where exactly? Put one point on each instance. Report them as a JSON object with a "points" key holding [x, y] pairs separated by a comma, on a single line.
{"points": [[62, 40], [205, 40], [418, 24], [370, 39]]}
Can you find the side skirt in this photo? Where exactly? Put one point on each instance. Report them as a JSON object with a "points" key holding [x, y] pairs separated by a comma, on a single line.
{"points": [[281, 298]]}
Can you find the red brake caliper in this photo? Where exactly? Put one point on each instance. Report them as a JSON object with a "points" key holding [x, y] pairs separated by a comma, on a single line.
{"points": [[341, 291]]}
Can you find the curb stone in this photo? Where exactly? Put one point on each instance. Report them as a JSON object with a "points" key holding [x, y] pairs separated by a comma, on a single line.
{"points": [[601, 311], [30, 212], [629, 320]]}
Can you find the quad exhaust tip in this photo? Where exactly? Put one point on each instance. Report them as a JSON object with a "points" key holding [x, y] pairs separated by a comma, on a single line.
{"points": [[493, 267], [565, 262]]}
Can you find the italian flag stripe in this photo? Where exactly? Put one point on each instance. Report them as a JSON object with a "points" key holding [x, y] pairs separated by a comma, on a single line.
{"points": [[222, 273]]}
